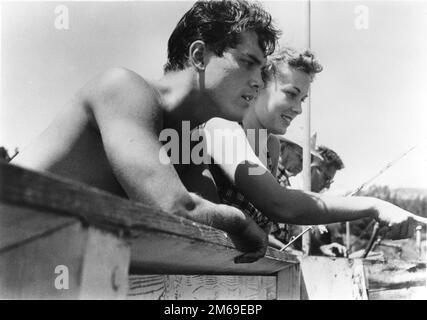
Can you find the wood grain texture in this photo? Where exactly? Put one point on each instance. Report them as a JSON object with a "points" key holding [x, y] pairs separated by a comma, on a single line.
{"points": [[96, 263], [325, 278], [28, 271], [160, 241], [105, 266], [157, 253], [395, 274], [198, 287], [413, 293], [19, 225], [289, 283]]}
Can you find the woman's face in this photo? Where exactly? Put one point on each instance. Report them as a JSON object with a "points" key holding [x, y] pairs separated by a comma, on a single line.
{"points": [[280, 102]]}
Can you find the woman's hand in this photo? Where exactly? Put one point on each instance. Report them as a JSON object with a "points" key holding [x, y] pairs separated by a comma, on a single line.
{"points": [[401, 223]]}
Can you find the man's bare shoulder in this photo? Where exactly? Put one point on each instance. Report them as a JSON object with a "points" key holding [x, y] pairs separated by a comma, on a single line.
{"points": [[124, 92]]}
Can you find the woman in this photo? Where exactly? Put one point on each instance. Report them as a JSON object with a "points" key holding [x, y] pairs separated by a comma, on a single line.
{"points": [[248, 181]]}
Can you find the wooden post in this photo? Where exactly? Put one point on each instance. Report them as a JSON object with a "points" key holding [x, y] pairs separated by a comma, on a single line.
{"points": [[306, 171], [347, 236], [105, 266], [48, 256], [418, 241], [328, 278], [289, 283]]}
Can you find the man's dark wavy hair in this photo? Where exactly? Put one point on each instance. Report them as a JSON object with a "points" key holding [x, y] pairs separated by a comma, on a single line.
{"points": [[219, 24]]}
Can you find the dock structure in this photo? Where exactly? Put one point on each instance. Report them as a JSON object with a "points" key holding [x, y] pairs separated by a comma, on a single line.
{"points": [[60, 239]]}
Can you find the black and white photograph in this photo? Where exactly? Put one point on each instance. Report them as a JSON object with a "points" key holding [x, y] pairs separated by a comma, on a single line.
{"points": [[213, 150]]}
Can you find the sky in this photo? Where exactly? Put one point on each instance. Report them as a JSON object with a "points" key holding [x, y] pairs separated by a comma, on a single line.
{"points": [[369, 104]]}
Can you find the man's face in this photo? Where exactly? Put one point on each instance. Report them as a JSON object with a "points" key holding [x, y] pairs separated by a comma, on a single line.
{"points": [[292, 159], [322, 177], [280, 102], [232, 81]]}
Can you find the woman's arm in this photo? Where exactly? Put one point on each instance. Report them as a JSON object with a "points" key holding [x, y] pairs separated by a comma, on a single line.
{"points": [[259, 186]]}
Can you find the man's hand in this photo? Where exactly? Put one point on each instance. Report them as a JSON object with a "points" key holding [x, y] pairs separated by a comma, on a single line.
{"points": [[328, 249], [245, 234], [322, 228], [253, 241], [401, 223]]}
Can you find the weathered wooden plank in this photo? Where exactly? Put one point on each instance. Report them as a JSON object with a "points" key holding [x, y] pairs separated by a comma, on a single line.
{"points": [[332, 278], [28, 271], [18, 224], [412, 293], [206, 287], [289, 283], [61, 260], [105, 266], [159, 253], [160, 241], [395, 274]]}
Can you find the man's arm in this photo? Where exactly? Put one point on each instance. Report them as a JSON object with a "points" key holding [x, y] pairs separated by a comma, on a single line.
{"points": [[274, 242], [294, 206], [128, 116]]}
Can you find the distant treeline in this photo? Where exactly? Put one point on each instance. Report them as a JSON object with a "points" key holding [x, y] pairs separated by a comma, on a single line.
{"points": [[416, 203]]}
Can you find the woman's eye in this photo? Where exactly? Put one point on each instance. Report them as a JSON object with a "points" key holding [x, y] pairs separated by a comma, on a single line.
{"points": [[303, 99]]}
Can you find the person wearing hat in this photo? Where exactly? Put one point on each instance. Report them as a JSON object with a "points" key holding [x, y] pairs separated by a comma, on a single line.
{"points": [[290, 159]]}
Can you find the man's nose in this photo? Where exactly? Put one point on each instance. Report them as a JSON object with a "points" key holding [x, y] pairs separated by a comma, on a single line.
{"points": [[297, 108], [256, 81]]}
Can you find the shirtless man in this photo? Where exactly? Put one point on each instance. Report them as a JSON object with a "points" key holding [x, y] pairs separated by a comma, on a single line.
{"points": [[107, 136]]}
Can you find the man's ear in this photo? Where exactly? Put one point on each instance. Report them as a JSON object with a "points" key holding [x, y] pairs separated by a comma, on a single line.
{"points": [[197, 55]]}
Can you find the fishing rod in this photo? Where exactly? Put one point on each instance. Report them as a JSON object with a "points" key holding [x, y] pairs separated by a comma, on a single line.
{"points": [[388, 166], [358, 189], [354, 192], [293, 239]]}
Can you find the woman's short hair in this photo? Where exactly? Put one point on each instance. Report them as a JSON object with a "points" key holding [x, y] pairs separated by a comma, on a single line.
{"points": [[304, 61]]}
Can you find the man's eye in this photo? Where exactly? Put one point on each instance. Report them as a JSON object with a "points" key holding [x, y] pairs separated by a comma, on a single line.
{"points": [[248, 63], [303, 99], [291, 94]]}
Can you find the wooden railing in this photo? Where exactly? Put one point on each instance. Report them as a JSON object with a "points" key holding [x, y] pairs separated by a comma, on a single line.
{"points": [[65, 240], [48, 221]]}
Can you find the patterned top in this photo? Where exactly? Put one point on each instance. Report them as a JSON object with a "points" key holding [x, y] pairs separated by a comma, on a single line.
{"points": [[282, 175], [230, 195]]}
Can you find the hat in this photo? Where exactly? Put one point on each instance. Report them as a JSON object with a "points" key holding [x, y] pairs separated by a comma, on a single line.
{"points": [[298, 140]]}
